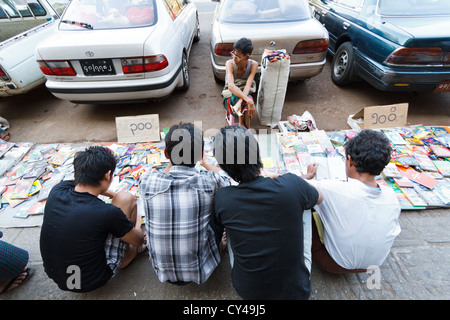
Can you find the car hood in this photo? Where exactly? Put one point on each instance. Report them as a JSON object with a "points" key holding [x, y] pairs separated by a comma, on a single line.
{"points": [[114, 43], [425, 31], [282, 34]]}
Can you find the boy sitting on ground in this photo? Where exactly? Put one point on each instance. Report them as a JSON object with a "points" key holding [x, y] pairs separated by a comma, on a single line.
{"points": [[84, 241]]}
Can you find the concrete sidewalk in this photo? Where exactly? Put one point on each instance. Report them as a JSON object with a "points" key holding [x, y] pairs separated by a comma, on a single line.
{"points": [[417, 268]]}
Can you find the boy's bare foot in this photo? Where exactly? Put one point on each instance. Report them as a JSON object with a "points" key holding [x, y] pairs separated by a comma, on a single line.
{"points": [[131, 254], [6, 286]]}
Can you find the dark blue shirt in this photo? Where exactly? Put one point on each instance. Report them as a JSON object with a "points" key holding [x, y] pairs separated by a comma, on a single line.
{"points": [[264, 224], [74, 231]]}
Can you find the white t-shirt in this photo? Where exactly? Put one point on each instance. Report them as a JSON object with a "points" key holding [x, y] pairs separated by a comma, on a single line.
{"points": [[360, 222]]}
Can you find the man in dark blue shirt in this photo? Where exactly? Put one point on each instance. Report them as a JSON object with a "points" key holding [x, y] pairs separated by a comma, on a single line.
{"points": [[263, 219], [84, 240]]}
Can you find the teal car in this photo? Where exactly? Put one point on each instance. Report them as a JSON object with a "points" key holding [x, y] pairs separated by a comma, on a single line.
{"points": [[401, 45]]}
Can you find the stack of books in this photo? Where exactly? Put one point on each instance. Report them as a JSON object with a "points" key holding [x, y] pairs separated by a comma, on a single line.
{"points": [[419, 171], [30, 171]]}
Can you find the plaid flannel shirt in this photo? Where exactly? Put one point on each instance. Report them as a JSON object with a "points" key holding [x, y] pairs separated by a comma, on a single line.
{"points": [[178, 207]]}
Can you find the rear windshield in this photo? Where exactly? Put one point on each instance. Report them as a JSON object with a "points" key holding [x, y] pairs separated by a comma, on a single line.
{"points": [[414, 7], [108, 14], [247, 11]]}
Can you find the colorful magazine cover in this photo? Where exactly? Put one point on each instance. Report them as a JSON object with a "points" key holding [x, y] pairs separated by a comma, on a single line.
{"points": [[428, 195], [22, 189], [443, 166], [4, 147], [414, 197], [338, 137], [393, 136], [440, 131], [440, 151]]}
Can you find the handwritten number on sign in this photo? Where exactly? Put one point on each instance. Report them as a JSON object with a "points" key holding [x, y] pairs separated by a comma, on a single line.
{"points": [[140, 126], [381, 119]]}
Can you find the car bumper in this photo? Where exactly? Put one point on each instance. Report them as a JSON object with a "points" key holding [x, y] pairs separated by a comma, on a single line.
{"points": [[297, 71], [11, 88], [116, 91], [387, 79]]}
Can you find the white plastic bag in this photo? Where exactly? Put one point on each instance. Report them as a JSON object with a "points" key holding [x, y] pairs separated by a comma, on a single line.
{"points": [[305, 122], [4, 124]]}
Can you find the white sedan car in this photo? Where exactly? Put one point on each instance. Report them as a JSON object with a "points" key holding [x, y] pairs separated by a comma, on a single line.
{"points": [[270, 24], [120, 50]]}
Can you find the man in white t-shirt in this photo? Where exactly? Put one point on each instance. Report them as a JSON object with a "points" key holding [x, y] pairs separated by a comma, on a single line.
{"points": [[359, 217]]}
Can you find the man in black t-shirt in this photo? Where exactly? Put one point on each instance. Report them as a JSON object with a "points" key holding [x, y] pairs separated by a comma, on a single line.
{"points": [[263, 219], [84, 240]]}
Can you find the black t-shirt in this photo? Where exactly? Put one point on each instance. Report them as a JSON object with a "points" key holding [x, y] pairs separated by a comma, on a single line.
{"points": [[264, 223], [74, 231]]}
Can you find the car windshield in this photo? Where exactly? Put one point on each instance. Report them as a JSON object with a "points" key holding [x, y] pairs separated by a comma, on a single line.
{"points": [[414, 7], [108, 14], [255, 11]]}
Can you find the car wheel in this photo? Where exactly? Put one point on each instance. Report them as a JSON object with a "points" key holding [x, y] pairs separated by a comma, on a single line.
{"points": [[342, 64], [197, 32], [185, 72]]}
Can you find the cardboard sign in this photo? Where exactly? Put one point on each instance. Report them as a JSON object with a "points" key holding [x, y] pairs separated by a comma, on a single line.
{"points": [[394, 115], [135, 129]]}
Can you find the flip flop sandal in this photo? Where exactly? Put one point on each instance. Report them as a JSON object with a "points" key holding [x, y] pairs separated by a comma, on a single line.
{"points": [[29, 272], [4, 136]]}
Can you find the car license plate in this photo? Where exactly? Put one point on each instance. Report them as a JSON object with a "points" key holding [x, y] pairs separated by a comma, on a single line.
{"points": [[98, 67], [444, 86]]}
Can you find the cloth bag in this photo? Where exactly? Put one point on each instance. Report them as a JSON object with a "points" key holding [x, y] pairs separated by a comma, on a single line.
{"points": [[275, 65]]}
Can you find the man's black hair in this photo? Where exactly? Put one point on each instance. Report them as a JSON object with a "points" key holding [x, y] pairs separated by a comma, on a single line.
{"points": [[370, 150], [244, 45], [184, 144], [237, 152], [91, 165]]}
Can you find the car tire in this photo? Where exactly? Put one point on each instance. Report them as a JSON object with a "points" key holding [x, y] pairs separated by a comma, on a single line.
{"points": [[197, 31], [218, 80], [185, 73], [342, 64]]}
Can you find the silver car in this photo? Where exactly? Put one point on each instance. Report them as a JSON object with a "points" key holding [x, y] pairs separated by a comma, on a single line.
{"points": [[270, 24]]}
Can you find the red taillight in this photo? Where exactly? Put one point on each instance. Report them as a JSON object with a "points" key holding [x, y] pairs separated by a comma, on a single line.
{"points": [[418, 57], [311, 46], [133, 65], [3, 75], [223, 49], [144, 64], [155, 63], [56, 68], [44, 68]]}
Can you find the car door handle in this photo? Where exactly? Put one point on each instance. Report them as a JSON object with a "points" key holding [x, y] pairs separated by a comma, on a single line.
{"points": [[346, 25]]}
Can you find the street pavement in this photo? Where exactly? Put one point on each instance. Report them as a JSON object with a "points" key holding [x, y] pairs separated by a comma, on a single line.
{"points": [[416, 269]]}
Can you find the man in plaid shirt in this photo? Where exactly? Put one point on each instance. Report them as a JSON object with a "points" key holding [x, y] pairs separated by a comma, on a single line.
{"points": [[182, 239]]}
